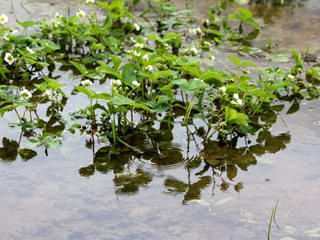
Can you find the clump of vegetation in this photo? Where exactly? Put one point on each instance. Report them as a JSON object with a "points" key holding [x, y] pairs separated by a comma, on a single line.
{"points": [[137, 74]]}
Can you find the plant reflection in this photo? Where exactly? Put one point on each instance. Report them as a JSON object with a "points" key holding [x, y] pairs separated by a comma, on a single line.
{"points": [[216, 165]]}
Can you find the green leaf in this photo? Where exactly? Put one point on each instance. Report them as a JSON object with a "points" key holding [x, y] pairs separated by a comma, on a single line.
{"points": [[97, 46], [190, 86], [105, 69], [235, 60], [122, 100], [128, 73], [80, 67], [27, 24], [234, 117]]}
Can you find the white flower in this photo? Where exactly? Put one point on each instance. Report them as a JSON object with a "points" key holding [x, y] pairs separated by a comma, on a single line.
{"points": [[5, 37], [166, 46], [195, 31], [145, 57], [136, 26], [138, 45], [135, 83], [58, 15], [3, 19], [198, 30], [136, 53], [206, 22], [192, 31], [291, 77], [116, 83], [47, 94], [9, 58], [30, 50], [194, 51], [239, 101], [86, 83], [223, 89], [80, 13], [89, 1], [211, 58], [149, 68], [25, 94]]}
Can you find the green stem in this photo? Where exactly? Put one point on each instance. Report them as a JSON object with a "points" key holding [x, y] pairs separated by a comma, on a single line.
{"points": [[190, 106]]}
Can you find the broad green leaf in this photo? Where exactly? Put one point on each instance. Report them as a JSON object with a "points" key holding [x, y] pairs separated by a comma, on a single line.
{"points": [[122, 100], [80, 67], [128, 73], [97, 46], [233, 116], [27, 24], [105, 69], [191, 86]]}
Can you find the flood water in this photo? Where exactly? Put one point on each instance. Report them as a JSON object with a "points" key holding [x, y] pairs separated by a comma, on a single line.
{"points": [[76, 193]]}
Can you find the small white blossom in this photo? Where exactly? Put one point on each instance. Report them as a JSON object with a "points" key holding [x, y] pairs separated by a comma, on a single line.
{"points": [[3, 19], [30, 50], [236, 102], [80, 13], [89, 1], [206, 22], [223, 89], [138, 45], [47, 94], [9, 58], [58, 15], [116, 83], [25, 94], [135, 83], [195, 31], [166, 46], [136, 26], [149, 68], [290, 76], [194, 51], [145, 57], [211, 58], [136, 53], [86, 83], [239, 101]]}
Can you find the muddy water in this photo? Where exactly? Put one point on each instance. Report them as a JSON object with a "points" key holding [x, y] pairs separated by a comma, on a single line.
{"points": [[49, 197]]}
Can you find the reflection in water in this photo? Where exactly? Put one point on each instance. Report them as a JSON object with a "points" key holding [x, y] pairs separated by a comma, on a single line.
{"points": [[216, 164]]}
